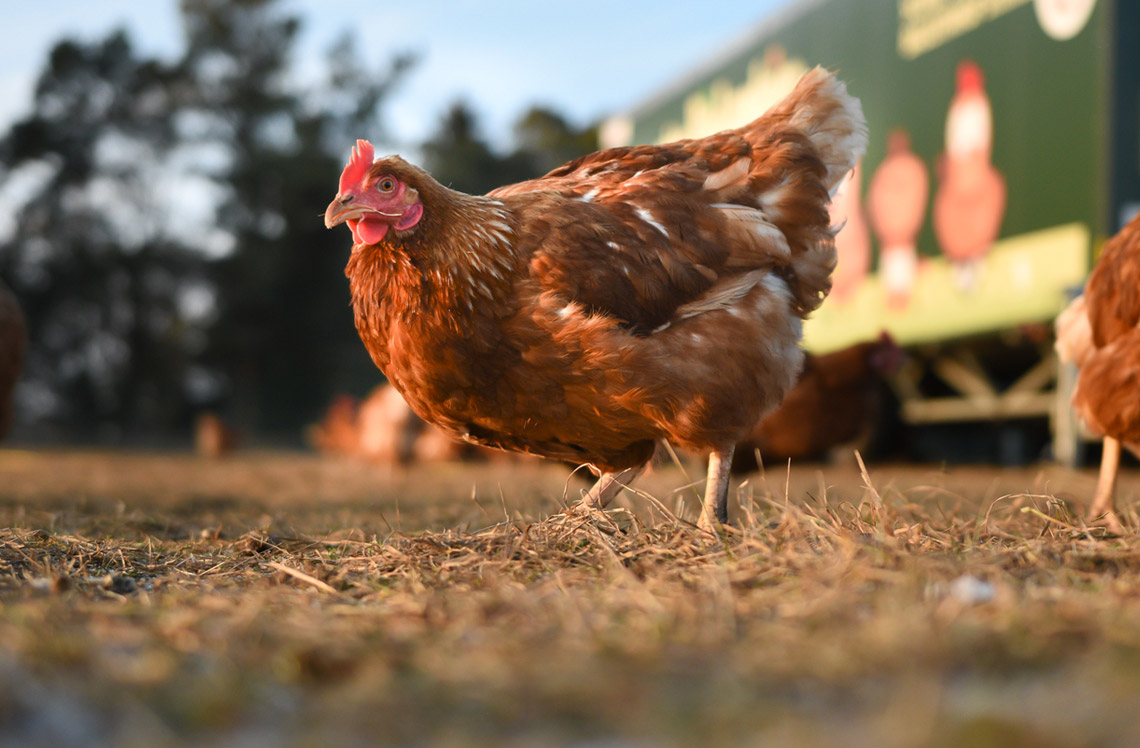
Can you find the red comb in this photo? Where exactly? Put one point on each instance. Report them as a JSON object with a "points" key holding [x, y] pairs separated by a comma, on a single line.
{"points": [[358, 165], [970, 76]]}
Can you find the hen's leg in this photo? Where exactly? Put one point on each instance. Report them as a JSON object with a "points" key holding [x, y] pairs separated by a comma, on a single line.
{"points": [[1104, 501], [715, 510], [608, 486]]}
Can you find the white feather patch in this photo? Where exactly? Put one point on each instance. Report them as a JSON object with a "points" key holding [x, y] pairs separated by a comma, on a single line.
{"points": [[771, 200], [646, 216], [776, 285]]}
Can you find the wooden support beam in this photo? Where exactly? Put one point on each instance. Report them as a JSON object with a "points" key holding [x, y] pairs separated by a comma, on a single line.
{"points": [[1039, 377], [979, 408], [964, 374], [1068, 436]]}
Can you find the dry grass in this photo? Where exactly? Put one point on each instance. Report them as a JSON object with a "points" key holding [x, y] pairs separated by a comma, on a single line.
{"points": [[281, 599]]}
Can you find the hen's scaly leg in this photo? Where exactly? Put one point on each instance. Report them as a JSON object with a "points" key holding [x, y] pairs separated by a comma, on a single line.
{"points": [[715, 510], [1104, 501], [608, 486]]}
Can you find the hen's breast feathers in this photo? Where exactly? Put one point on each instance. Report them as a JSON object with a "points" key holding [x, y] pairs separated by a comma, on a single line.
{"points": [[645, 233]]}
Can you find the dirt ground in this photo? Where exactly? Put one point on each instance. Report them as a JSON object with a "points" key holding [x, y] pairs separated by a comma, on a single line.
{"points": [[285, 599]]}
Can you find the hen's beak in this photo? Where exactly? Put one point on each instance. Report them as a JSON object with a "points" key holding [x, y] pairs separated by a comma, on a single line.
{"points": [[345, 208], [340, 210]]}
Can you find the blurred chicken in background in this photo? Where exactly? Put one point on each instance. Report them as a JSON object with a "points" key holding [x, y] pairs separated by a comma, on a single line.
{"points": [[212, 437], [836, 404], [383, 429], [13, 343]]}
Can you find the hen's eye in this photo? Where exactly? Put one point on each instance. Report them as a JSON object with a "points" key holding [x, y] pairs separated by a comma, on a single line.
{"points": [[387, 184]]}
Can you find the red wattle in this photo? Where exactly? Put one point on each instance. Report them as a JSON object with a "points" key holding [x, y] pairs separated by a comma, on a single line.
{"points": [[369, 230]]}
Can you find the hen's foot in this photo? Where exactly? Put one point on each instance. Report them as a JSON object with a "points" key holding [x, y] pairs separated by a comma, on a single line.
{"points": [[1103, 509], [714, 513], [608, 486], [1108, 520]]}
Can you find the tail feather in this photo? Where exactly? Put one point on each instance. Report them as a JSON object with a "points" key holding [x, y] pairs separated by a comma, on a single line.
{"points": [[802, 148], [819, 107]]}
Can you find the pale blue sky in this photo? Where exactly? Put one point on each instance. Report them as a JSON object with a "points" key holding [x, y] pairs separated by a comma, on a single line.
{"points": [[586, 58]]}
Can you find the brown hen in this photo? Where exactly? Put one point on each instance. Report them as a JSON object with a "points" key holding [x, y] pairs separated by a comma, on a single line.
{"points": [[836, 403], [1100, 333], [635, 294]]}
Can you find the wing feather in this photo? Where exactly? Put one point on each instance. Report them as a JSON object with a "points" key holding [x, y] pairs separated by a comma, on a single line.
{"points": [[638, 233], [1113, 291]]}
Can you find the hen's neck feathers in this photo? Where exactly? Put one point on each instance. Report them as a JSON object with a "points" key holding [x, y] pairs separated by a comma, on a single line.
{"points": [[457, 260]]}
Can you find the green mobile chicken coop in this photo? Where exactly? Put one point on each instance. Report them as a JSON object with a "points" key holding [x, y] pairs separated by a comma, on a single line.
{"points": [[1004, 149]]}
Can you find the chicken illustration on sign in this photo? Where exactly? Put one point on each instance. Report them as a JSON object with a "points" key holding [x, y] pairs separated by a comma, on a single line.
{"points": [[896, 202], [967, 212], [853, 242], [970, 202]]}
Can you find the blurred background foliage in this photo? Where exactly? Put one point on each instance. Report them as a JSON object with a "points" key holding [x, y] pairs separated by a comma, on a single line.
{"points": [[167, 246]]}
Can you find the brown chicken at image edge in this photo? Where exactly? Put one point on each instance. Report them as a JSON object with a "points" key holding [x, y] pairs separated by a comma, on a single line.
{"points": [[1100, 333], [631, 295], [13, 349]]}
